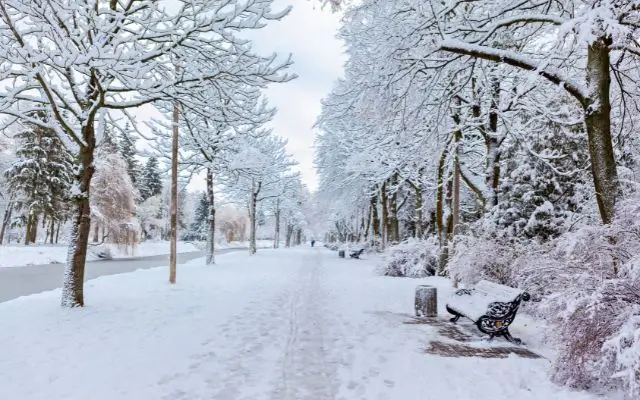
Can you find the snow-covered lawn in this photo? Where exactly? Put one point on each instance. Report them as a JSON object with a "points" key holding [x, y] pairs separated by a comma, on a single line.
{"points": [[284, 324], [18, 256]]}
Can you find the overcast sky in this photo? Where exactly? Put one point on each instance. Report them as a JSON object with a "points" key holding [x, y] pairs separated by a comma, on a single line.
{"points": [[308, 32]]}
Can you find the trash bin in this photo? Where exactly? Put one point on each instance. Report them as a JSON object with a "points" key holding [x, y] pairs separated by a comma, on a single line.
{"points": [[341, 253], [426, 303]]}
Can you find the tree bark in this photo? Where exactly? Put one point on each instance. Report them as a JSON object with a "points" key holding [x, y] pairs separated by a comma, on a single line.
{"points": [[492, 143], [211, 219], [440, 197], [455, 198], [385, 214], [276, 238], [27, 230], [419, 212], [52, 230], [289, 233], [58, 231], [394, 224], [96, 232], [6, 219], [33, 232], [375, 220], [368, 223], [73, 285], [597, 111]]}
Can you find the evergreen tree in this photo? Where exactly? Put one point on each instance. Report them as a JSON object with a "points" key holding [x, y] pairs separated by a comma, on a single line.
{"points": [[198, 228], [536, 201], [127, 147], [41, 179], [150, 182]]}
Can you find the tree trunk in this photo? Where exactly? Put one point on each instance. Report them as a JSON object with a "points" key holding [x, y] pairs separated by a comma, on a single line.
{"points": [[173, 247], [276, 239], [455, 198], [492, 143], [73, 285], [298, 237], [58, 231], [440, 197], [252, 222], [6, 219], [33, 232], [394, 225], [368, 223], [598, 125], [27, 229], [419, 212], [375, 220], [52, 230], [96, 232], [211, 219], [385, 214], [289, 233]]}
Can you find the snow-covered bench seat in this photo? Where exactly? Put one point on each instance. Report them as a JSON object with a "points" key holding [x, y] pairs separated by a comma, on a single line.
{"points": [[356, 253], [491, 307]]}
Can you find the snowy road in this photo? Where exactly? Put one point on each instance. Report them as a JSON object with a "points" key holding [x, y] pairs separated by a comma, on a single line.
{"points": [[296, 324], [23, 281]]}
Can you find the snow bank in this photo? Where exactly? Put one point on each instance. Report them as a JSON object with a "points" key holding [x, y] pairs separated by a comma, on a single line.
{"points": [[18, 256], [412, 258], [283, 324]]}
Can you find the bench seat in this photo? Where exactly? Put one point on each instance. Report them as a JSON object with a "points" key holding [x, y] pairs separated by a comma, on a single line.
{"points": [[492, 307]]}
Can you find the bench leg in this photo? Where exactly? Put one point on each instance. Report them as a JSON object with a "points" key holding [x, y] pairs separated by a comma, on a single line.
{"points": [[507, 335], [456, 316]]}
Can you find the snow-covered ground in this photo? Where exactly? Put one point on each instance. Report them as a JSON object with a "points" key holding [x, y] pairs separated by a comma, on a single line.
{"points": [[284, 324], [18, 256]]}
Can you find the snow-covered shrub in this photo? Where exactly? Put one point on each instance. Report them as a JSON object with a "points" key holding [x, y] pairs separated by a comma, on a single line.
{"points": [[590, 280], [412, 258], [475, 258]]}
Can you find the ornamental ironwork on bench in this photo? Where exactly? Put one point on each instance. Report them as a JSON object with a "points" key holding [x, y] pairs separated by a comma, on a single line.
{"points": [[491, 307]]}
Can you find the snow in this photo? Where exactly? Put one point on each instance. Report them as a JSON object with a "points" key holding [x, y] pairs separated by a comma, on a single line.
{"points": [[484, 293], [283, 324], [19, 256]]}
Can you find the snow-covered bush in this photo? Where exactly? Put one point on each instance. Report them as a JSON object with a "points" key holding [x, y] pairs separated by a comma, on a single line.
{"points": [[476, 257], [412, 259], [590, 280]]}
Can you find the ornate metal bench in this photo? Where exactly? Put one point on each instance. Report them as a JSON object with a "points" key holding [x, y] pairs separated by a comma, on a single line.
{"points": [[491, 307]]}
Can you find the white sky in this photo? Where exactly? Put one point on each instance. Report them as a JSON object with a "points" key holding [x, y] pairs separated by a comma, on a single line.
{"points": [[308, 32]]}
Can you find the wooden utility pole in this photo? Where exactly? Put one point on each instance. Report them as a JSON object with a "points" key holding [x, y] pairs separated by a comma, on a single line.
{"points": [[174, 196]]}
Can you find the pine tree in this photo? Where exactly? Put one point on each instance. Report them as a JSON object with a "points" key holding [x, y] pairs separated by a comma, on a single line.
{"points": [[151, 182], [41, 179], [127, 146], [198, 228]]}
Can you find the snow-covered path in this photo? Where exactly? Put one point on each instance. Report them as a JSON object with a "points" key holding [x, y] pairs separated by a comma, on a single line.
{"points": [[285, 324]]}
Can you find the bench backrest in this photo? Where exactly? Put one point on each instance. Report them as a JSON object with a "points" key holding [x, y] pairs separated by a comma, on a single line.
{"points": [[497, 292]]}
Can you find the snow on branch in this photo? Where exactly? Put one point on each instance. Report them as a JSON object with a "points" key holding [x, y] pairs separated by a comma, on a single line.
{"points": [[516, 60]]}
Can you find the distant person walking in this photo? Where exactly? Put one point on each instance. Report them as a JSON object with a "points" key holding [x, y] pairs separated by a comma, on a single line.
{"points": [[313, 242]]}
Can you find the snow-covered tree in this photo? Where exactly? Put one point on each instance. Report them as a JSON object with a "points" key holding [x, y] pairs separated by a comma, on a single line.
{"points": [[198, 228], [40, 180], [150, 182], [84, 61], [113, 201], [256, 173], [127, 147]]}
